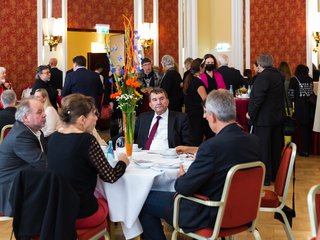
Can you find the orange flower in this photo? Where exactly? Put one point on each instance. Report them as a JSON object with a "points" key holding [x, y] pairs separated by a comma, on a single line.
{"points": [[132, 83], [115, 95], [137, 93]]}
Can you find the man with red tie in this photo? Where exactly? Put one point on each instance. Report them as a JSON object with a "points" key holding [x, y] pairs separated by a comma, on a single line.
{"points": [[162, 128]]}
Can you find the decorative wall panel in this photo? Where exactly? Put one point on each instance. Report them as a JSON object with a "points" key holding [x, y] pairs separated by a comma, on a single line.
{"points": [[84, 14], [18, 51], [168, 29], [279, 27]]}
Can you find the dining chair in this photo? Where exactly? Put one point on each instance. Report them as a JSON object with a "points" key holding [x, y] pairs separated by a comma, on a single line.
{"points": [[237, 208], [271, 199], [314, 208], [95, 233], [4, 131]]}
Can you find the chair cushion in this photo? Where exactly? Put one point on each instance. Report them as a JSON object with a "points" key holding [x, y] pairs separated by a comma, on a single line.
{"points": [[270, 199], [207, 232], [87, 233]]}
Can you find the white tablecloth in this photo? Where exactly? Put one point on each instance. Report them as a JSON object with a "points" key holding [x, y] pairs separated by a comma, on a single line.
{"points": [[127, 196]]}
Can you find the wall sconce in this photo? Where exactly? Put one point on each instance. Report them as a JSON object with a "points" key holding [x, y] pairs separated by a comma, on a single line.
{"points": [[146, 36], [316, 37], [53, 30], [146, 43]]}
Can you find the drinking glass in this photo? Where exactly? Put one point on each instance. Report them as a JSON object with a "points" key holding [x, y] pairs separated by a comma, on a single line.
{"points": [[120, 146]]}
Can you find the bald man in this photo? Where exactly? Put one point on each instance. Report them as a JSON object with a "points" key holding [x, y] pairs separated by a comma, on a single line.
{"points": [[56, 74]]}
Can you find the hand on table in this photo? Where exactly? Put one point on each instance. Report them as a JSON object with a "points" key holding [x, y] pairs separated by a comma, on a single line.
{"points": [[186, 149], [123, 157]]}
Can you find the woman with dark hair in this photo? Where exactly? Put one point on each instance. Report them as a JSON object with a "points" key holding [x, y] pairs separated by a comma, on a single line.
{"points": [[194, 94], [211, 78], [75, 154], [300, 88]]}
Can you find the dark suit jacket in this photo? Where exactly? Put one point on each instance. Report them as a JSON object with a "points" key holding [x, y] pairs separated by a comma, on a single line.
{"points": [[83, 81], [7, 116], [19, 150], [206, 175], [56, 78], [52, 92], [179, 132], [266, 106], [171, 83], [231, 76]]}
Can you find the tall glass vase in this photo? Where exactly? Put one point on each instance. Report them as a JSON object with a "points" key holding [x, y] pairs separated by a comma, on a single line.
{"points": [[128, 128]]}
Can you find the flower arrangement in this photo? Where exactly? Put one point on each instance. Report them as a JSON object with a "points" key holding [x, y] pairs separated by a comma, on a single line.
{"points": [[127, 95]]}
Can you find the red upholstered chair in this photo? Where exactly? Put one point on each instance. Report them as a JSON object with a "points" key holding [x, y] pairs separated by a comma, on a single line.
{"points": [[96, 233], [271, 200], [238, 207], [314, 208], [4, 131]]}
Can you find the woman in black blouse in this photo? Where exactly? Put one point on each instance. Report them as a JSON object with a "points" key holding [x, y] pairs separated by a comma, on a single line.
{"points": [[75, 154], [194, 94], [300, 88]]}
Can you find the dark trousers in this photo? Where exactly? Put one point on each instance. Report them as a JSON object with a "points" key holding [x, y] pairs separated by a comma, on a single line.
{"points": [[159, 205], [306, 137], [197, 126], [271, 138]]}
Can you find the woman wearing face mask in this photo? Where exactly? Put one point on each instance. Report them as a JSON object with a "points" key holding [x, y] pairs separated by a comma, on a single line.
{"points": [[4, 85], [211, 78]]}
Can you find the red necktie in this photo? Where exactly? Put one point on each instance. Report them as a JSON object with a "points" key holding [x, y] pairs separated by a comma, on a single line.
{"points": [[152, 134]]}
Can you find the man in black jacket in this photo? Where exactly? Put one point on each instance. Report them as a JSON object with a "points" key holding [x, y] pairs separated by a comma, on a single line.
{"points": [[8, 99], [266, 108], [207, 174], [231, 76], [43, 81]]}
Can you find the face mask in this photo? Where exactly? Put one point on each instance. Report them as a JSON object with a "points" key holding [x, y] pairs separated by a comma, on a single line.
{"points": [[209, 67]]}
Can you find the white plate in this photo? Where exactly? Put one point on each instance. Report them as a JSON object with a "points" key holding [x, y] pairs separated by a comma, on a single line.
{"points": [[166, 155], [170, 166], [143, 163]]}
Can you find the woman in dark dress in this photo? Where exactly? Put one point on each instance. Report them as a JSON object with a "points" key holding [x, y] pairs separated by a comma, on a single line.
{"points": [[75, 154], [300, 88], [171, 82], [194, 94]]}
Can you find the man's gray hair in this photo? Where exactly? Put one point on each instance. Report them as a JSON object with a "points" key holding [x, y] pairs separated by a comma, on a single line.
{"points": [[2, 69], [222, 104], [8, 98], [167, 61], [24, 108], [223, 59], [265, 60]]}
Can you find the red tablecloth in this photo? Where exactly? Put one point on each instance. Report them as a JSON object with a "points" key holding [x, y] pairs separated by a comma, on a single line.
{"points": [[242, 109]]}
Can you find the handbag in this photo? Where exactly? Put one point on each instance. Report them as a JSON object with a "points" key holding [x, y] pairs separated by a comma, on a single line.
{"points": [[312, 98], [106, 111], [289, 123]]}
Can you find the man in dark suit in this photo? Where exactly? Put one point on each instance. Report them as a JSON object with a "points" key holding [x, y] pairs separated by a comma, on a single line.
{"points": [[173, 127], [206, 175], [23, 147], [83, 81], [43, 81], [231, 76], [8, 99], [56, 74], [266, 108]]}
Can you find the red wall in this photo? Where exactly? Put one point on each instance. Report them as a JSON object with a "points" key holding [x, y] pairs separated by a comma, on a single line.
{"points": [[168, 29], [85, 14], [18, 33], [279, 27]]}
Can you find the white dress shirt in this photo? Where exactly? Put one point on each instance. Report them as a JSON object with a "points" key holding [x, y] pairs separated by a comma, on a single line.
{"points": [[160, 140]]}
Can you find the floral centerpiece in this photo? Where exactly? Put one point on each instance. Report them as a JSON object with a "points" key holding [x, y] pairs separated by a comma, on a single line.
{"points": [[127, 95]]}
